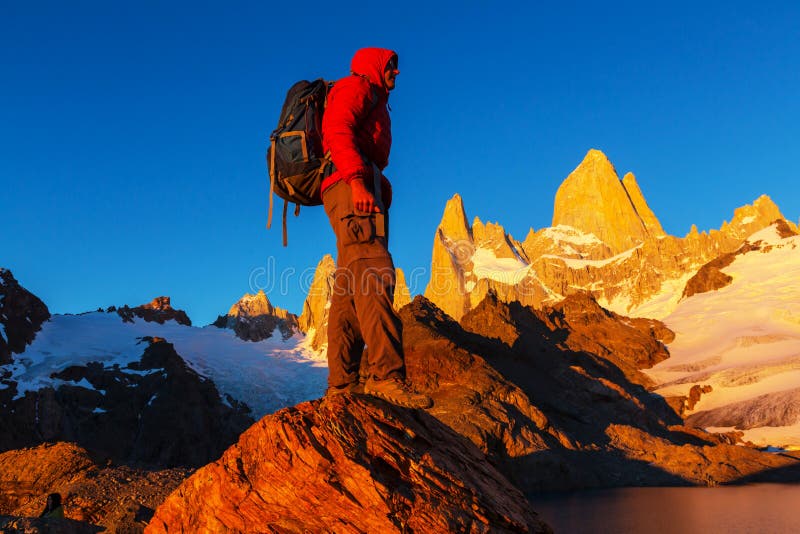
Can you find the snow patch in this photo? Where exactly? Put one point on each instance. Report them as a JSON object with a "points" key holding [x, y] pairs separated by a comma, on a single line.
{"points": [[506, 270], [768, 235], [580, 264], [571, 234]]}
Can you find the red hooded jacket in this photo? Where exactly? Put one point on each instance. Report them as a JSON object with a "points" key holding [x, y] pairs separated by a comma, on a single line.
{"points": [[356, 127]]}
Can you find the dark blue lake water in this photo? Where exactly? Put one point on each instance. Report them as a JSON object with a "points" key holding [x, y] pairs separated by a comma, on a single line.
{"points": [[757, 509]]}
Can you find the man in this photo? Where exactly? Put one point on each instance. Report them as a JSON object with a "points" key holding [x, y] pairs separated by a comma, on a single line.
{"points": [[356, 130]]}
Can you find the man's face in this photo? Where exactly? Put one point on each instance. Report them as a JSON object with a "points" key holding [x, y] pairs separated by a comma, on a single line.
{"points": [[390, 73]]}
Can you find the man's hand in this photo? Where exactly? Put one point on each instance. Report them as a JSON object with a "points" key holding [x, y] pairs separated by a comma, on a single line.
{"points": [[363, 200]]}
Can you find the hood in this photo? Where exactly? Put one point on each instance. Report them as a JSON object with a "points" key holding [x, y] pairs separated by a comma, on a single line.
{"points": [[371, 62]]}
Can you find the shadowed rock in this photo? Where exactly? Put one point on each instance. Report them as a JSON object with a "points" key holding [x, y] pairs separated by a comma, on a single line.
{"points": [[21, 316], [156, 412], [95, 498], [554, 408]]}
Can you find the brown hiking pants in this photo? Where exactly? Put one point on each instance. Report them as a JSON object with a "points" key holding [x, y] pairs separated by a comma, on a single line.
{"points": [[362, 294]]}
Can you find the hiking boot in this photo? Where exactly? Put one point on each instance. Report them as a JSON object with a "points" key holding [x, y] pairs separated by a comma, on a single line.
{"points": [[397, 392], [353, 387]]}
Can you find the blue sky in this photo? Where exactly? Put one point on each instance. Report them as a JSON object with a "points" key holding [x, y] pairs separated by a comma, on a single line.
{"points": [[132, 135]]}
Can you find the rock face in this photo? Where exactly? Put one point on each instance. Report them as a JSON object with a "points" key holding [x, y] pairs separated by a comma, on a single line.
{"points": [[314, 319], [254, 318], [453, 248], [348, 464], [158, 311], [95, 498], [595, 201], [21, 316], [604, 241], [155, 413]]}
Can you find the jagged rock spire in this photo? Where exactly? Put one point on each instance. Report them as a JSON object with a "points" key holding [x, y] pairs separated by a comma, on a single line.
{"points": [[594, 200]]}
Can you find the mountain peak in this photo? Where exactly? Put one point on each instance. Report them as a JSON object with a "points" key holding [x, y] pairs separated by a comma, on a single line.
{"points": [[753, 217], [594, 200], [252, 305], [454, 220]]}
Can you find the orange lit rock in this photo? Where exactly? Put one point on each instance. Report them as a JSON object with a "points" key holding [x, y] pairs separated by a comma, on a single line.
{"points": [[348, 464]]}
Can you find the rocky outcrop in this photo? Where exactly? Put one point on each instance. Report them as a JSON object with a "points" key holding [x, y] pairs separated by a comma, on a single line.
{"points": [[605, 240], [348, 464], [254, 318], [95, 498], [156, 412], [21, 316], [159, 310], [710, 276]]}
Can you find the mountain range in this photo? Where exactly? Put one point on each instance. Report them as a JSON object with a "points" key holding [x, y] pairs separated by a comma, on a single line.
{"points": [[597, 352]]}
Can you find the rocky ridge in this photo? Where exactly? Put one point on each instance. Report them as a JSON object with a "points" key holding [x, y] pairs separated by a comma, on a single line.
{"points": [[159, 310], [604, 241]]}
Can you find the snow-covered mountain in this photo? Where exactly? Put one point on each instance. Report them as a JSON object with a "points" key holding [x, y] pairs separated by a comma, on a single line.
{"points": [[743, 340], [266, 375], [604, 240]]}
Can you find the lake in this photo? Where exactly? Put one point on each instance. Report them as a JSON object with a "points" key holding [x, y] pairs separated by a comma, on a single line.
{"points": [[756, 508]]}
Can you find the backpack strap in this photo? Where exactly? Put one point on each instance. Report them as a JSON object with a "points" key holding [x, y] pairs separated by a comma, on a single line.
{"points": [[285, 233], [271, 163]]}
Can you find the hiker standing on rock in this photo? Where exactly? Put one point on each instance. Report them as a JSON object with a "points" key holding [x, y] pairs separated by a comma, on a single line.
{"points": [[356, 131]]}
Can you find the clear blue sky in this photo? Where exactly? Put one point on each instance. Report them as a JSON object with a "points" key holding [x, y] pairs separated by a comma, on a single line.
{"points": [[132, 134]]}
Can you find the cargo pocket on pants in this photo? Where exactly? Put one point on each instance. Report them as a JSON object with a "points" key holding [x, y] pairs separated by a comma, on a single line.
{"points": [[358, 229]]}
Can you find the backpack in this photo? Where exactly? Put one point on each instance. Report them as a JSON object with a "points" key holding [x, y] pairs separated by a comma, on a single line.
{"points": [[295, 158]]}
